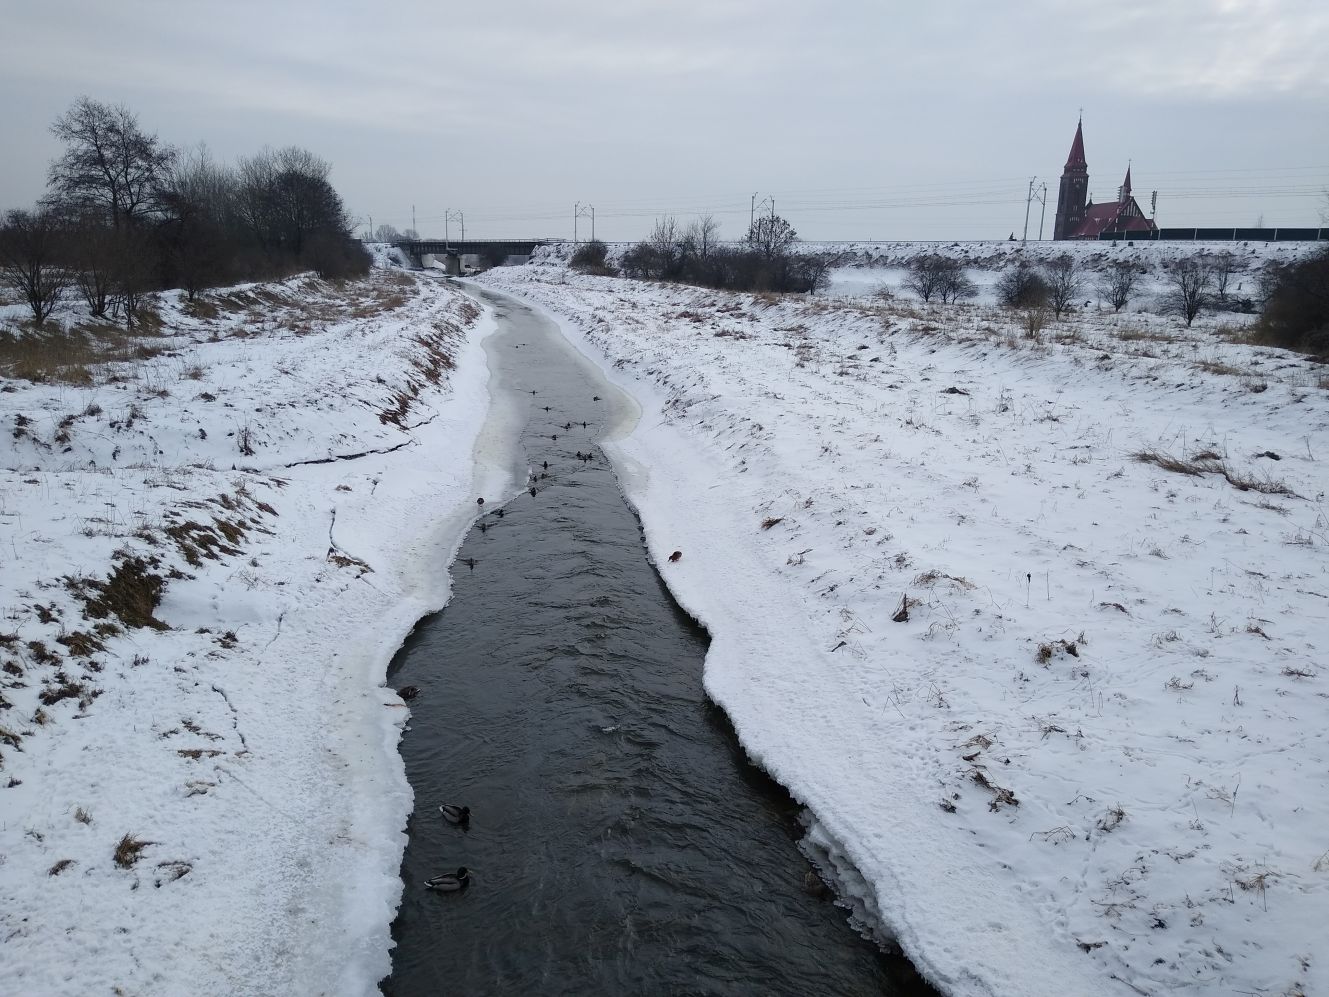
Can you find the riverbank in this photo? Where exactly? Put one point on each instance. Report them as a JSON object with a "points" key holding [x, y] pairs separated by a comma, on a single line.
{"points": [[1029, 618], [213, 537]]}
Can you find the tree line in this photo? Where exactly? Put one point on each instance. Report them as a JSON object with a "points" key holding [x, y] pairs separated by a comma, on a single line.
{"points": [[1293, 298], [693, 254], [125, 214]]}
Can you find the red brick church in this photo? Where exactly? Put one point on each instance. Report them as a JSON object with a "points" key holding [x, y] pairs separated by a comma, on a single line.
{"points": [[1078, 217]]}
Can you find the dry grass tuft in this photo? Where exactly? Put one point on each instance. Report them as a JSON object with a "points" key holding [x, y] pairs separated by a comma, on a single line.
{"points": [[1046, 652], [129, 849], [59, 867], [770, 521], [1208, 462], [130, 593], [930, 578]]}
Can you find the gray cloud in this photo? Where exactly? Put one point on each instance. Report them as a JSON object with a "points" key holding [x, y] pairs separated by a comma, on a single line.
{"points": [[863, 119]]}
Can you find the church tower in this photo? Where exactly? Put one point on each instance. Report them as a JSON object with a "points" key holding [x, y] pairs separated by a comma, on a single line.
{"points": [[1074, 190]]}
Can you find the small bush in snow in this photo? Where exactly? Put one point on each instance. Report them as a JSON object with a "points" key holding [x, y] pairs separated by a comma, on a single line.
{"points": [[1022, 286]]}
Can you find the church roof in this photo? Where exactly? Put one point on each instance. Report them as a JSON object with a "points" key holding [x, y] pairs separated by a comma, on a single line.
{"points": [[1076, 159], [1112, 216]]}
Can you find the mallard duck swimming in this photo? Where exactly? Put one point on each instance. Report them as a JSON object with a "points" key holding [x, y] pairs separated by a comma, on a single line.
{"points": [[408, 692], [453, 814], [450, 882]]}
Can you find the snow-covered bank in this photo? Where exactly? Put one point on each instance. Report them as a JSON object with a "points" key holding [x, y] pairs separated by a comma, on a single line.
{"points": [[1031, 620], [205, 796]]}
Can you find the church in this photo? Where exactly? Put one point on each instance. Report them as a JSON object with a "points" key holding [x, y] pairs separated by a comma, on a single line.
{"points": [[1078, 217]]}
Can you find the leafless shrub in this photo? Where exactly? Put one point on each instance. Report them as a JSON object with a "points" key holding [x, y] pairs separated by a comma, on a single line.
{"points": [[1190, 282], [30, 247], [1117, 285], [1065, 278]]}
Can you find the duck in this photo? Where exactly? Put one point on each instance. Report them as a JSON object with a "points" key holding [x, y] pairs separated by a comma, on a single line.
{"points": [[675, 556], [480, 501], [453, 814], [815, 886], [469, 562], [450, 882], [408, 692], [532, 491]]}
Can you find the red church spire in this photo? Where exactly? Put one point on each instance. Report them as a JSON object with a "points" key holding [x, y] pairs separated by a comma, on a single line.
{"points": [[1124, 194], [1076, 160]]}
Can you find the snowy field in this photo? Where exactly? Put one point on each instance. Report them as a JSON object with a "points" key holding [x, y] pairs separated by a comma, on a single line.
{"points": [[1033, 621], [203, 795], [879, 269]]}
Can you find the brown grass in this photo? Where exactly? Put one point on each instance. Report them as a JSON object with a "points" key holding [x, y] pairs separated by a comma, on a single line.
{"points": [[770, 521], [71, 356], [129, 849], [1217, 367], [130, 593]]}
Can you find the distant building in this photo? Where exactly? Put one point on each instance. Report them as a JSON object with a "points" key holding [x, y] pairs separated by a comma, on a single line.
{"points": [[1078, 217]]}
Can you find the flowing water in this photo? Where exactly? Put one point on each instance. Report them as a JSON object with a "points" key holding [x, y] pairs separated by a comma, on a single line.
{"points": [[620, 842]]}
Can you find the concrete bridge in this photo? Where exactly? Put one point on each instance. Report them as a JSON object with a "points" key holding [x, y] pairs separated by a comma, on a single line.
{"points": [[425, 251]]}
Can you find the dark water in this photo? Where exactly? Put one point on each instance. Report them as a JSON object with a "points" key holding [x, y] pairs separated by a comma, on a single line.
{"points": [[620, 842]]}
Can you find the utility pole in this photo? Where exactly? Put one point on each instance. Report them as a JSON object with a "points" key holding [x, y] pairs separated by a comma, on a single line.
{"points": [[453, 214], [1028, 197], [752, 211], [413, 228], [583, 211], [1044, 213]]}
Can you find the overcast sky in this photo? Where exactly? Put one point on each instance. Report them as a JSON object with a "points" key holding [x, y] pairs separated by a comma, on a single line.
{"points": [[862, 119]]}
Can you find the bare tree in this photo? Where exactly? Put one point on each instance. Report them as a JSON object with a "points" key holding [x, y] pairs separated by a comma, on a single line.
{"points": [[386, 233], [200, 234], [1189, 283], [703, 234], [1117, 286], [666, 246], [935, 274], [1223, 266], [285, 198], [131, 275], [955, 283], [812, 271], [1065, 279], [92, 253], [924, 275], [109, 162], [771, 236], [30, 247]]}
